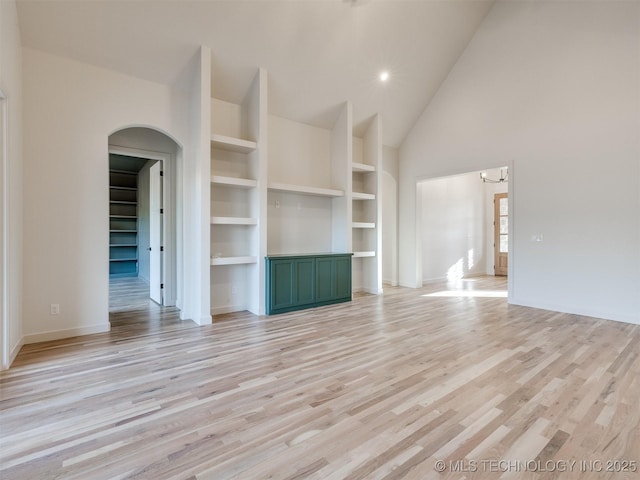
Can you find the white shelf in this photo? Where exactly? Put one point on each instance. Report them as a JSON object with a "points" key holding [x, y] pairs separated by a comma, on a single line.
{"points": [[362, 167], [233, 144], [234, 182], [364, 254], [304, 190], [233, 221], [363, 225], [363, 196], [233, 260]]}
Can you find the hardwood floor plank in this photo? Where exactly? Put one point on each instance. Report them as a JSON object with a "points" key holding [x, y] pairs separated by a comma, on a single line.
{"points": [[379, 388]]}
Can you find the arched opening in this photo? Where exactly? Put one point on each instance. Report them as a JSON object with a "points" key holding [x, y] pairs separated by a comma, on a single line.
{"points": [[143, 220]]}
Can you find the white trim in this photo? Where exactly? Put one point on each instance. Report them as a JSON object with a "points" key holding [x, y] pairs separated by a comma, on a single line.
{"points": [[5, 357], [15, 351], [66, 333], [169, 221], [554, 307], [226, 309]]}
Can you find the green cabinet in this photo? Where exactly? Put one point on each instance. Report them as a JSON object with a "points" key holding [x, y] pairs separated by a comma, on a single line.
{"points": [[295, 282]]}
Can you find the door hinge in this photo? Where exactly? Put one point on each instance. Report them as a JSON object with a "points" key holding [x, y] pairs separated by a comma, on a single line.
{"points": [[162, 249], [161, 211], [162, 285], [161, 173]]}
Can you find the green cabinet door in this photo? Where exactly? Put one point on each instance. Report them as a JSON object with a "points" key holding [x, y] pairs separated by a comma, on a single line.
{"points": [[281, 293], [325, 281], [304, 280], [343, 277]]}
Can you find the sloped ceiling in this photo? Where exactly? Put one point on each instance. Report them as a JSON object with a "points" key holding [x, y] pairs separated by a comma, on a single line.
{"points": [[318, 53]]}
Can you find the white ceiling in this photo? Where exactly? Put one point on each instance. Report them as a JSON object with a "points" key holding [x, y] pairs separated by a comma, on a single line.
{"points": [[318, 53]]}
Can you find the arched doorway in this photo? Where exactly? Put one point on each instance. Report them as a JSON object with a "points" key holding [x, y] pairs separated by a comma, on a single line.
{"points": [[143, 220]]}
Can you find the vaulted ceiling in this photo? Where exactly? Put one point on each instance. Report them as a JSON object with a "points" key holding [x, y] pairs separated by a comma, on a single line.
{"points": [[318, 53]]}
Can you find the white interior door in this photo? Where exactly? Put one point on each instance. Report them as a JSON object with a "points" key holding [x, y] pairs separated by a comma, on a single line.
{"points": [[155, 233]]}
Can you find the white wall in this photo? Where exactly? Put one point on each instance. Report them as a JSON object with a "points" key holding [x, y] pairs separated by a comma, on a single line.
{"points": [[390, 179], [453, 227], [70, 109], [546, 87], [12, 178]]}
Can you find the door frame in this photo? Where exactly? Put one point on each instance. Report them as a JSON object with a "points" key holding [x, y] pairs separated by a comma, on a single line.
{"points": [[169, 218], [419, 181], [496, 232]]}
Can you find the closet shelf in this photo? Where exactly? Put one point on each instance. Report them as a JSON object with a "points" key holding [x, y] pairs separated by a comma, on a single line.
{"points": [[304, 190], [363, 196], [122, 231], [123, 245], [123, 259], [121, 202], [233, 260], [234, 221], [362, 167], [233, 181], [363, 225], [123, 188], [364, 254], [233, 144], [132, 217]]}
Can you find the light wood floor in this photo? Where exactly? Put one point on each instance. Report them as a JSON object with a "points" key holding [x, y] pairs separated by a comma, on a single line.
{"points": [[380, 388]]}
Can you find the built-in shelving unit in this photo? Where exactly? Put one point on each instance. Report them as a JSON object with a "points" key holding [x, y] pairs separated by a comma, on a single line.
{"points": [[238, 200], [123, 223], [280, 186], [366, 219]]}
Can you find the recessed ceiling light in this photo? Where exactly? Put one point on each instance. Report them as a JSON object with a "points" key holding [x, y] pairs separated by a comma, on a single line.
{"points": [[384, 76]]}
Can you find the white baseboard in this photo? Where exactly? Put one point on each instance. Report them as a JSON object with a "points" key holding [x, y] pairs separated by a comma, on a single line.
{"points": [[577, 311], [14, 352], [393, 283], [66, 333], [227, 309]]}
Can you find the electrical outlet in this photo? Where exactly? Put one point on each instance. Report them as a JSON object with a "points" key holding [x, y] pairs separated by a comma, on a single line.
{"points": [[54, 309], [234, 289]]}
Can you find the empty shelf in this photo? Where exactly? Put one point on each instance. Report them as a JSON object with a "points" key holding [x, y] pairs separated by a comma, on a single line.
{"points": [[304, 190], [363, 225], [233, 144], [233, 181], [363, 196], [362, 167], [233, 260], [233, 221]]}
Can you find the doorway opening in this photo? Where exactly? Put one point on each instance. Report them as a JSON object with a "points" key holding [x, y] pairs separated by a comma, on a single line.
{"points": [[142, 221], [460, 240]]}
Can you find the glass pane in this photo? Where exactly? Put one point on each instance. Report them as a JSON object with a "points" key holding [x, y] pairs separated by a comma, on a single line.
{"points": [[504, 243], [504, 224], [504, 206]]}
